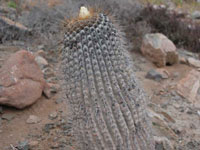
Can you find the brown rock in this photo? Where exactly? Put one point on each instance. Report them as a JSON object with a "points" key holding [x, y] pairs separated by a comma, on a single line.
{"points": [[189, 85], [162, 143], [33, 119], [193, 62], [159, 49], [21, 80]]}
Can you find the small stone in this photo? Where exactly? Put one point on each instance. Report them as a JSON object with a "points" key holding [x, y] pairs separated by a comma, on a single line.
{"points": [[33, 144], [40, 53], [55, 146], [48, 127], [50, 89], [153, 74], [195, 15], [176, 74], [198, 112], [42, 62], [193, 62], [53, 115], [40, 46], [23, 145], [182, 60], [162, 143], [189, 85], [8, 117], [33, 119], [59, 100]]}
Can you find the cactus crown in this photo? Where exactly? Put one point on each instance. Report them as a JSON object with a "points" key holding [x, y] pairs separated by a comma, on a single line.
{"points": [[86, 18]]}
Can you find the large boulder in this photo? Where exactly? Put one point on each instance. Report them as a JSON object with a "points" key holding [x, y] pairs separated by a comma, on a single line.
{"points": [[21, 80], [159, 49], [189, 85]]}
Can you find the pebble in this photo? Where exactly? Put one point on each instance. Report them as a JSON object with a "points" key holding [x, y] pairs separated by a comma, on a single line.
{"points": [[33, 119], [8, 117], [198, 112], [153, 74], [59, 100], [55, 146], [176, 74], [33, 144], [48, 127], [195, 15], [41, 62], [53, 115], [23, 145]]}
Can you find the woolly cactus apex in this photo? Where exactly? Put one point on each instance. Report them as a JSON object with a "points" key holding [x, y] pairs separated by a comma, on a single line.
{"points": [[108, 106], [84, 13]]}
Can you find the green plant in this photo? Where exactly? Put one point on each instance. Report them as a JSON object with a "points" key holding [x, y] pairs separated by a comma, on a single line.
{"points": [[12, 4]]}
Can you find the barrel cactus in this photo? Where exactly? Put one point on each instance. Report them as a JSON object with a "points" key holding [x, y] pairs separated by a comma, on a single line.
{"points": [[108, 106]]}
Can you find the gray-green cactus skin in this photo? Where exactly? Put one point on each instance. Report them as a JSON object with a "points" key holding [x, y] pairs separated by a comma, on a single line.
{"points": [[109, 108]]}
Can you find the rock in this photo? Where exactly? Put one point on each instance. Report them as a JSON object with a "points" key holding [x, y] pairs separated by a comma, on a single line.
{"points": [[55, 146], [21, 80], [183, 60], [53, 115], [50, 89], [159, 49], [193, 62], [33, 144], [176, 74], [195, 15], [23, 145], [165, 74], [189, 85], [33, 119], [48, 127], [48, 72], [41, 62], [59, 100], [8, 117], [162, 143], [40, 53], [153, 74]]}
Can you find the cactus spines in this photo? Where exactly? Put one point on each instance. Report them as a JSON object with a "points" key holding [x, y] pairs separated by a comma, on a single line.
{"points": [[108, 105]]}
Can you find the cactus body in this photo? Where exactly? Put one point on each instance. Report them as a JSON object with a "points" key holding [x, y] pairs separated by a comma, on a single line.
{"points": [[108, 105]]}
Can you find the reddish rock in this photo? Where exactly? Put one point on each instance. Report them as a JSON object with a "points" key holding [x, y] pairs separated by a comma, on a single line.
{"points": [[189, 85], [159, 49], [21, 80], [193, 62]]}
